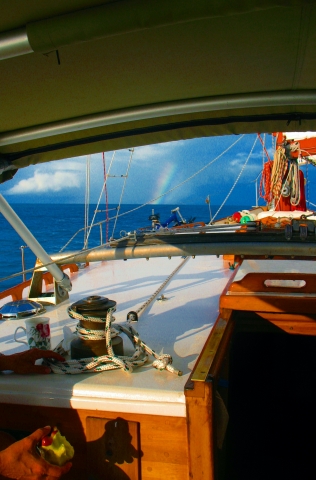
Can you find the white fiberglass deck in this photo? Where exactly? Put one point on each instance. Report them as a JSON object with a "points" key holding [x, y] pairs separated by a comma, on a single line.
{"points": [[178, 326]]}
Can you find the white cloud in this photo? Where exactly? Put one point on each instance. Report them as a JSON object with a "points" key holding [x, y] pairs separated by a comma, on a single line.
{"points": [[45, 182], [64, 165], [149, 151]]}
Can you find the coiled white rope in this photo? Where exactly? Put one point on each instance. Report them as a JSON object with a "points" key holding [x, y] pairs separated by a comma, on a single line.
{"points": [[295, 184], [89, 334], [278, 171], [111, 361]]}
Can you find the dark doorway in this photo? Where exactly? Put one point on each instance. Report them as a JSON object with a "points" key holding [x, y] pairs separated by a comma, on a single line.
{"points": [[271, 403]]}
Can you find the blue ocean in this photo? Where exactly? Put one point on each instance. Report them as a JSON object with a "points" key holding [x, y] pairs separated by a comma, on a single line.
{"points": [[54, 225]]}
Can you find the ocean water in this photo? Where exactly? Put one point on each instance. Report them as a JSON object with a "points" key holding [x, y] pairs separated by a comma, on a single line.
{"points": [[55, 224]]}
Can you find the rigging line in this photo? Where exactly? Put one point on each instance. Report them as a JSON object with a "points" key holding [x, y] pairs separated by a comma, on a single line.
{"points": [[70, 256], [263, 152], [109, 210], [94, 215], [143, 307], [111, 162], [182, 183], [87, 200], [306, 151], [307, 183], [95, 212], [106, 200], [88, 227], [123, 189], [263, 146], [163, 194], [237, 179]]}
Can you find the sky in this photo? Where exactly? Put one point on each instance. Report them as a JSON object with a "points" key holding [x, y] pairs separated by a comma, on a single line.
{"points": [[184, 172]]}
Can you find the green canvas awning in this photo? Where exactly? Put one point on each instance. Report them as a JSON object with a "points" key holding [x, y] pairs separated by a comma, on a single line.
{"points": [[80, 76]]}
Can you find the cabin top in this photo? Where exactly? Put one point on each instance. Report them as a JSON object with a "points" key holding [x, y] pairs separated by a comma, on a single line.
{"points": [[177, 326]]}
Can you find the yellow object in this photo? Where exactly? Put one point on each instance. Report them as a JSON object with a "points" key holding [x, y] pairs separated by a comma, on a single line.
{"points": [[59, 452]]}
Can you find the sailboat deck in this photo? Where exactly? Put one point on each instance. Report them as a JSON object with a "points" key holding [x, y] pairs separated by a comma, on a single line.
{"points": [[178, 326]]}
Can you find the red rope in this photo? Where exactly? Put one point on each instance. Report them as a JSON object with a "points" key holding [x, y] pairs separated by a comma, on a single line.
{"points": [[265, 182], [264, 148]]}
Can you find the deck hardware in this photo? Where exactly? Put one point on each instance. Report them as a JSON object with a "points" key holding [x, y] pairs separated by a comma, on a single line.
{"points": [[91, 337], [21, 309], [36, 293], [132, 317], [288, 231], [130, 235], [162, 298], [303, 232], [147, 258]]}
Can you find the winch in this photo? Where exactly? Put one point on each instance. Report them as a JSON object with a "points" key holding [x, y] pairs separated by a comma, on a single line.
{"points": [[91, 339]]}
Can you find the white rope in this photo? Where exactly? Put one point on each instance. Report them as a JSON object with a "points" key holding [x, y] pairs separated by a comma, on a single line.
{"points": [[88, 333], [236, 181], [95, 212], [112, 361], [295, 184], [143, 307], [278, 171], [123, 189], [87, 202]]}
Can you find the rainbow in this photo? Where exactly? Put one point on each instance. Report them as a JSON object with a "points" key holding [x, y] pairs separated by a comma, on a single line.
{"points": [[165, 181]]}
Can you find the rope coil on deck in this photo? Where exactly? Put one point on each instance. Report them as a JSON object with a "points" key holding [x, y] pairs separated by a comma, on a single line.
{"points": [[110, 361]]}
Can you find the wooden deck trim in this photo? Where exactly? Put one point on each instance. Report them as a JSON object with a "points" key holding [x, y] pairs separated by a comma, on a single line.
{"points": [[272, 303], [201, 431], [162, 441], [200, 392], [255, 282]]}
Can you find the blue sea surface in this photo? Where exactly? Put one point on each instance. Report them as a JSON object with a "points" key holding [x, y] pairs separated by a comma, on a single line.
{"points": [[53, 225]]}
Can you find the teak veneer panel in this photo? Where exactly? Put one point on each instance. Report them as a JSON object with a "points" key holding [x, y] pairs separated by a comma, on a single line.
{"points": [[162, 440], [113, 448], [292, 323], [251, 294], [273, 303], [254, 282]]}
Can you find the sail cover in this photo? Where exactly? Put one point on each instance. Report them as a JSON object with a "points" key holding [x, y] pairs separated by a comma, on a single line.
{"points": [[86, 76], [306, 141]]}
